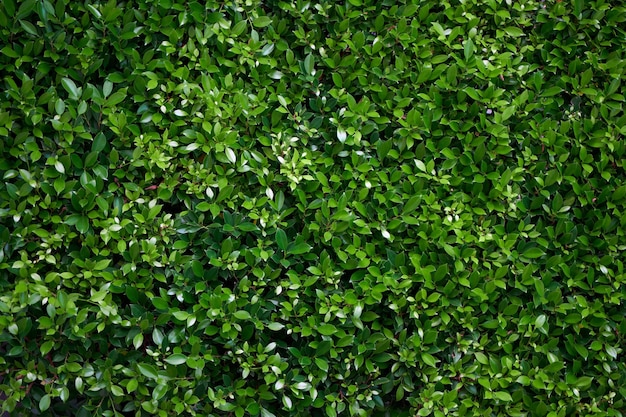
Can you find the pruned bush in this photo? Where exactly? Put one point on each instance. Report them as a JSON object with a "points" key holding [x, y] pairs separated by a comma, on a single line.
{"points": [[361, 207]]}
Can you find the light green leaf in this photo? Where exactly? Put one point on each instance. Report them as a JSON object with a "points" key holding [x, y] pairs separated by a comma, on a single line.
{"points": [[230, 154], [148, 370], [176, 359], [429, 359], [468, 49], [532, 253], [503, 396], [138, 340], [299, 249], [242, 315], [262, 21], [44, 403], [327, 329], [514, 31], [70, 87]]}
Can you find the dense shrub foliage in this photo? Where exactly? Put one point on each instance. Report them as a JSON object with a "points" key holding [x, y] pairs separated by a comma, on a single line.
{"points": [[271, 208]]}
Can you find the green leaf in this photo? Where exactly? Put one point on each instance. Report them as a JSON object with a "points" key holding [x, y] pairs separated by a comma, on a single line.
{"points": [[322, 364], [159, 392], [99, 142], [299, 249], [230, 155], [203, 206], [262, 21], [239, 28], [619, 194], [83, 224], [429, 359], [468, 49], [533, 253], [275, 326], [148, 370], [267, 50], [58, 165], [116, 98], [132, 385], [160, 303], [327, 329], [197, 268], [242, 315], [176, 359], [117, 391], [411, 204], [309, 64], [551, 91], [70, 87], [438, 28], [503, 396], [514, 31], [44, 403], [281, 239], [29, 27], [138, 340], [341, 134]]}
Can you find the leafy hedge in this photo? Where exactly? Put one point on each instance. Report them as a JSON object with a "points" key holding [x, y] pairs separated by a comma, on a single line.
{"points": [[354, 207]]}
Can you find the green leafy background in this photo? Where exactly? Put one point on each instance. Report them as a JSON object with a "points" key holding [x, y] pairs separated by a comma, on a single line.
{"points": [[358, 207]]}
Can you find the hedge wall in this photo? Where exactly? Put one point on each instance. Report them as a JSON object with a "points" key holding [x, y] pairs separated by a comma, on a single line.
{"points": [[272, 208]]}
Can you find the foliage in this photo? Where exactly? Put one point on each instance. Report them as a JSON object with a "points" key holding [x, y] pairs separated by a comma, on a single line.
{"points": [[353, 207]]}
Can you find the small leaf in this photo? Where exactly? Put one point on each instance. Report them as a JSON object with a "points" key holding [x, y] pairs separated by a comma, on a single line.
{"points": [[117, 391], [262, 21], [132, 385], [276, 326], [552, 91], [29, 27], [411, 204], [420, 165], [203, 206], [176, 359], [327, 329], [44, 403], [468, 49], [299, 249], [341, 134], [242, 315], [503, 396], [267, 49], [429, 359], [619, 193], [230, 154], [309, 64], [138, 340], [513, 31], [159, 303], [99, 142], [281, 239], [438, 28], [159, 392], [59, 106], [107, 88], [82, 225], [611, 351], [322, 364], [70, 87], [59, 167], [148, 370], [239, 28], [532, 253]]}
